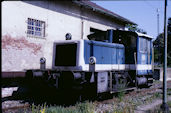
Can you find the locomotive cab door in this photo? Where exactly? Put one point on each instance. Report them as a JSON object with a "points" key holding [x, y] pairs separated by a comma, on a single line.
{"points": [[129, 40], [143, 56], [149, 47]]}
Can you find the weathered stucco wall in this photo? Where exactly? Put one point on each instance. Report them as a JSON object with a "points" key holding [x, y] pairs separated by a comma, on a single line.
{"points": [[21, 52]]}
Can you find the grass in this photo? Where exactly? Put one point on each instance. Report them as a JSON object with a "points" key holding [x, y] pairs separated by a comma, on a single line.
{"points": [[159, 110], [86, 107], [121, 104], [38, 109], [59, 109], [121, 95], [169, 91], [123, 107]]}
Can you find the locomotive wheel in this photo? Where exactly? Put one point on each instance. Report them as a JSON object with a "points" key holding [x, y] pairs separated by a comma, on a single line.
{"points": [[66, 80]]}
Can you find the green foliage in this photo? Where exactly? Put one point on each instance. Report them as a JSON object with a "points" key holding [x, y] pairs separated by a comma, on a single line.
{"points": [[122, 104], [86, 107], [168, 91], [134, 28], [157, 95], [121, 95], [158, 109], [126, 109], [59, 109], [159, 49], [35, 109], [38, 109], [169, 104]]}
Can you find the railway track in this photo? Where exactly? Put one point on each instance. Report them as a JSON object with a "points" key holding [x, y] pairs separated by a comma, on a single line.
{"points": [[12, 106], [16, 107], [156, 87]]}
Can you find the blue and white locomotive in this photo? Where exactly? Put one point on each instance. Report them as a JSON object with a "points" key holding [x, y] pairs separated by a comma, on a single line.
{"points": [[106, 63]]}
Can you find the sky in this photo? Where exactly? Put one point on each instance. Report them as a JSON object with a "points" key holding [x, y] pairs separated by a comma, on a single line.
{"points": [[142, 12]]}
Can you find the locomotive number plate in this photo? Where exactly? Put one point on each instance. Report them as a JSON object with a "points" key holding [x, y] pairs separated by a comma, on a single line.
{"points": [[102, 85]]}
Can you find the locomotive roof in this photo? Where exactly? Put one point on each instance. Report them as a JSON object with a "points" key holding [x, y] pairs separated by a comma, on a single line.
{"points": [[136, 33], [144, 35]]}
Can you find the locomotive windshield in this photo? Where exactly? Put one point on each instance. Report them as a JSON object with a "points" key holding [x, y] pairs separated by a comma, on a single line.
{"points": [[66, 55], [126, 38]]}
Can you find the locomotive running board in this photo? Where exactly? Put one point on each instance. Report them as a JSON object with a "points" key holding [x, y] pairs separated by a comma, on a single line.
{"points": [[132, 88]]}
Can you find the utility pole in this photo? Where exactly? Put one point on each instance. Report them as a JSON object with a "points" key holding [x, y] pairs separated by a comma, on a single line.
{"points": [[159, 61], [164, 106], [158, 21]]}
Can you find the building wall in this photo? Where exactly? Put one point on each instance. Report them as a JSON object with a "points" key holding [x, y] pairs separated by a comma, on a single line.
{"points": [[20, 52]]}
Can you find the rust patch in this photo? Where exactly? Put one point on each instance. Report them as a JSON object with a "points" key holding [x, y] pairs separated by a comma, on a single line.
{"points": [[19, 44]]}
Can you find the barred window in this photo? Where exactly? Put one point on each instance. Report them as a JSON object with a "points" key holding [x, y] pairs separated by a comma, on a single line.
{"points": [[35, 28]]}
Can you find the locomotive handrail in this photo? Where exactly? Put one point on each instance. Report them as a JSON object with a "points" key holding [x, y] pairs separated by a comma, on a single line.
{"points": [[135, 54], [152, 59]]}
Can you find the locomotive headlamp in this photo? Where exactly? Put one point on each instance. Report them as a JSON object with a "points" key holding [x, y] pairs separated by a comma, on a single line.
{"points": [[42, 63], [92, 60], [42, 60], [68, 36]]}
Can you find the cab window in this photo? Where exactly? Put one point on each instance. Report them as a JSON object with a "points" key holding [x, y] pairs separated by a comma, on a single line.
{"points": [[148, 46], [142, 44]]}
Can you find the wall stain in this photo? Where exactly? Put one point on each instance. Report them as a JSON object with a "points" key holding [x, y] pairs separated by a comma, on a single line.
{"points": [[19, 44]]}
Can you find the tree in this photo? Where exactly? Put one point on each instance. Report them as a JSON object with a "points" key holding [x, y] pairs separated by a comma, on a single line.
{"points": [[135, 28], [159, 49]]}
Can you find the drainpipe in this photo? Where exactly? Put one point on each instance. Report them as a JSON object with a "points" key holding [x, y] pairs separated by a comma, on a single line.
{"points": [[82, 28], [82, 22]]}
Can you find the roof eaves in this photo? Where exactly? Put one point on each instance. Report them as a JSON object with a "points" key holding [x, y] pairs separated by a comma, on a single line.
{"points": [[104, 11]]}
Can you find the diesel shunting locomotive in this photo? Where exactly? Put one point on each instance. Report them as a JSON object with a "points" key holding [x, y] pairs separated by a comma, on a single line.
{"points": [[108, 62]]}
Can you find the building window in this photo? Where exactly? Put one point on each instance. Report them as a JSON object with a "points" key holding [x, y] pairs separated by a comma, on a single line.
{"points": [[35, 28], [97, 34], [93, 30]]}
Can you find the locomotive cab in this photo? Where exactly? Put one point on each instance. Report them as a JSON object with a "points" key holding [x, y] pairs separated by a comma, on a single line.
{"points": [[138, 52]]}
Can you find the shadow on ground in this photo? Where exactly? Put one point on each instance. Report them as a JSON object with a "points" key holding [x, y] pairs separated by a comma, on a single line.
{"points": [[50, 96], [39, 96]]}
